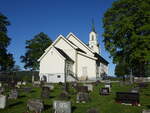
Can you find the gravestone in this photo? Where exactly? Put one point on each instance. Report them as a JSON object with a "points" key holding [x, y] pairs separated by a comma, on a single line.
{"points": [[92, 110], [35, 105], [128, 98], [107, 85], [36, 83], [64, 95], [32, 79], [19, 83], [0, 84], [104, 91], [27, 89], [13, 94], [135, 90], [89, 86], [62, 106], [2, 101], [142, 85], [24, 83], [51, 87], [82, 88], [45, 92], [82, 97], [146, 111], [1, 90]]}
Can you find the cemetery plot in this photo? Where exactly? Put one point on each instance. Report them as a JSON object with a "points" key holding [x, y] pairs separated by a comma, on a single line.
{"points": [[45, 92], [62, 106], [13, 94], [82, 88], [2, 101], [104, 91], [82, 97], [35, 105], [128, 98]]}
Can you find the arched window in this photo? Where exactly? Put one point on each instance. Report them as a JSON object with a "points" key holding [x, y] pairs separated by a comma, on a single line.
{"points": [[92, 37]]}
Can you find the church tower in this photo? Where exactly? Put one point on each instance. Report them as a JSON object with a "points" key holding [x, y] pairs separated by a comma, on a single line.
{"points": [[93, 42]]}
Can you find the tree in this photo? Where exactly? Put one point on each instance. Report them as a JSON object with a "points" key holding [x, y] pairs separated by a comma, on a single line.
{"points": [[6, 59], [127, 33], [121, 70], [34, 50]]}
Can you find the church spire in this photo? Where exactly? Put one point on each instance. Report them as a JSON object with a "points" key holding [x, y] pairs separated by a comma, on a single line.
{"points": [[93, 26]]}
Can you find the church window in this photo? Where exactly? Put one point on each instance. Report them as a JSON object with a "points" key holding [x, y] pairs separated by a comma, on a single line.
{"points": [[58, 76], [92, 37]]}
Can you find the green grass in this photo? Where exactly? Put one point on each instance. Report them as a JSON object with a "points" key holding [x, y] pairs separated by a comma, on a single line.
{"points": [[105, 104]]}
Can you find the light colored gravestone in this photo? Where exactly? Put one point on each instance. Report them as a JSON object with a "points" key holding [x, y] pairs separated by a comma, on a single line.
{"points": [[146, 111], [90, 87], [36, 83], [62, 106], [0, 84], [13, 94], [24, 83], [108, 86], [35, 105], [2, 101], [1, 90], [135, 90], [19, 83], [32, 79]]}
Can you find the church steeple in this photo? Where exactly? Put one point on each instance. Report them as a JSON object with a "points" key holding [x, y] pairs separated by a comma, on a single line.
{"points": [[93, 42]]}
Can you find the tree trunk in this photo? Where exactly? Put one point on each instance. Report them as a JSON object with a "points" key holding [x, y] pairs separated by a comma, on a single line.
{"points": [[131, 77]]}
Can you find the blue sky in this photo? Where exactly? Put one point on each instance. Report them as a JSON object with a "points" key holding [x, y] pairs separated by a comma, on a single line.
{"points": [[53, 17]]}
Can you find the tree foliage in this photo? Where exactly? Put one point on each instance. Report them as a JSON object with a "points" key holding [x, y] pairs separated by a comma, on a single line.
{"points": [[127, 33], [6, 59], [34, 50]]}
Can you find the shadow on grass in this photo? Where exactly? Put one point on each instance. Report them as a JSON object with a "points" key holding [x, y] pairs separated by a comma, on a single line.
{"points": [[73, 108], [46, 107], [15, 104], [148, 106], [22, 96]]}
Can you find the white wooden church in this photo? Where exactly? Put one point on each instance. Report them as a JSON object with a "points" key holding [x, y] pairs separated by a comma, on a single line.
{"points": [[69, 59]]}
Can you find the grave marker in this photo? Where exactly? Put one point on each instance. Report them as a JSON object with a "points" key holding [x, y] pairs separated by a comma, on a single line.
{"points": [[2, 101], [62, 106]]}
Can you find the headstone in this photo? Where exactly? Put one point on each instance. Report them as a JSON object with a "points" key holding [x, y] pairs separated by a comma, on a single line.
{"points": [[146, 111], [2, 101], [92, 110], [35, 105], [62, 106], [45, 92], [82, 88], [128, 98], [13, 94], [82, 97], [1, 90], [27, 89], [36, 83], [24, 83], [0, 84], [108, 86], [32, 79], [104, 91], [19, 83], [64, 95], [142, 85], [89, 86], [51, 87], [135, 90]]}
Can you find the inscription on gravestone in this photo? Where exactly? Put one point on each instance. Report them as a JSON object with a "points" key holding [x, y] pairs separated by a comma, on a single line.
{"points": [[62, 106]]}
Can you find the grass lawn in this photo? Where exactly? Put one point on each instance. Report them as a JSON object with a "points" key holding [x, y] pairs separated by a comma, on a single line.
{"points": [[105, 104]]}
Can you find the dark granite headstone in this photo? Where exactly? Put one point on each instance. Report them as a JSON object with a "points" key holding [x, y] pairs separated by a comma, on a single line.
{"points": [[13, 94], [45, 92], [104, 91], [82, 88], [35, 105], [128, 98], [92, 110], [82, 97]]}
